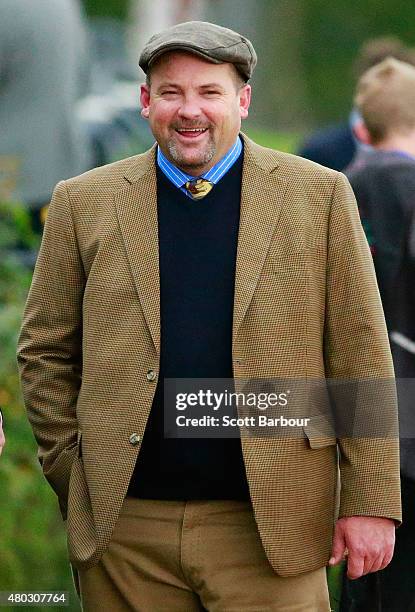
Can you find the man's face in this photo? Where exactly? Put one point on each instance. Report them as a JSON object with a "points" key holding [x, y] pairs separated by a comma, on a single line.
{"points": [[195, 109]]}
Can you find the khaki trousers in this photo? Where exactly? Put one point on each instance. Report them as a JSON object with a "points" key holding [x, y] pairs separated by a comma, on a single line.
{"points": [[177, 556]]}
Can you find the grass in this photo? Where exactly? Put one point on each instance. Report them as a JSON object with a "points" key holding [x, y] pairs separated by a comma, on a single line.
{"points": [[283, 141]]}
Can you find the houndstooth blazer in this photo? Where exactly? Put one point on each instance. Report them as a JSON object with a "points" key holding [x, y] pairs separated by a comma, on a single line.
{"points": [[306, 305]]}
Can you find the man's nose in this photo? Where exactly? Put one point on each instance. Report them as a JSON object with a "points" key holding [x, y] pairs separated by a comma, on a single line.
{"points": [[190, 108]]}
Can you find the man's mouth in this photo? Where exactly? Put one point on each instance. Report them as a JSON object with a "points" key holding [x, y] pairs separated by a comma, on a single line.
{"points": [[191, 132]]}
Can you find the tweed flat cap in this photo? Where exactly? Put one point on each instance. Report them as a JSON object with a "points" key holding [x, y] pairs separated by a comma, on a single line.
{"points": [[212, 42]]}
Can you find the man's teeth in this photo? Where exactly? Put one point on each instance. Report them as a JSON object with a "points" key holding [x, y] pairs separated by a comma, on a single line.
{"points": [[192, 130]]}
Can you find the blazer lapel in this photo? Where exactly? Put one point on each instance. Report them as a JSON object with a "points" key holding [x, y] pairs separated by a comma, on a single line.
{"points": [[137, 214], [261, 198], [262, 194]]}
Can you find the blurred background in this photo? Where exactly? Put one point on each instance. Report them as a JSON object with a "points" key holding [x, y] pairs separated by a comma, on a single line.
{"points": [[69, 101]]}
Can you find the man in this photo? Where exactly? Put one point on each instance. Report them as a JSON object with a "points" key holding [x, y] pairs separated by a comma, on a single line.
{"points": [[43, 74], [206, 257], [384, 183]]}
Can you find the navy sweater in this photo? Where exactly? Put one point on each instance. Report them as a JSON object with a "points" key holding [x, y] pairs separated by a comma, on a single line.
{"points": [[197, 251]]}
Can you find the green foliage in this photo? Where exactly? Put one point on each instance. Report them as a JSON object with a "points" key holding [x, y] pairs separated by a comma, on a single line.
{"points": [[117, 9], [335, 582], [32, 545], [282, 141]]}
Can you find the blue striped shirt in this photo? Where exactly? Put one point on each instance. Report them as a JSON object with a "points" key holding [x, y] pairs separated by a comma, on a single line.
{"points": [[180, 178]]}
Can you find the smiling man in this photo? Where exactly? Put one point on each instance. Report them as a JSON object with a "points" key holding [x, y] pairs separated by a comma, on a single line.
{"points": [[208, 257], [196, 117]]}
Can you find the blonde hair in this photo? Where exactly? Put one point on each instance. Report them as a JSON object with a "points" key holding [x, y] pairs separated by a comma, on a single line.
{"points": [[385, 97]]}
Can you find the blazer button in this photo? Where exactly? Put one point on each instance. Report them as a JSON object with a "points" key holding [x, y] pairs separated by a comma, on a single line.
{"points": [[134, 439], [151, 375]]}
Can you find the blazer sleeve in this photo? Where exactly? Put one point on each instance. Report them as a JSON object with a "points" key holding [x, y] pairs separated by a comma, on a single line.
{"points": [[49, 350], [356, 350]]}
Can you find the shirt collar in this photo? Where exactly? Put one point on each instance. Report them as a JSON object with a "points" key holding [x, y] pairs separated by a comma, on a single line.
{"points": [[179, 178], [400, 153]]}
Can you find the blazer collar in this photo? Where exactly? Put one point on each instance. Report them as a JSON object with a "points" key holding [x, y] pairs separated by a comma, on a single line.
{"points": [[253, 153]]}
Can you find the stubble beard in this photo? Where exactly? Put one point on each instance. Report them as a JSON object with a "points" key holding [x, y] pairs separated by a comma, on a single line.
{"points": [[182, 161]]}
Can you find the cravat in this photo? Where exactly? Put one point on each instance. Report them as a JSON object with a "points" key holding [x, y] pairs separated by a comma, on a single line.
{"points": [[198, 188]]}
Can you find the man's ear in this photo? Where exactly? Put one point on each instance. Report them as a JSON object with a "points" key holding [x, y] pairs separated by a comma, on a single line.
{"points": [[244, 101], [362, 133], [145, 100]]}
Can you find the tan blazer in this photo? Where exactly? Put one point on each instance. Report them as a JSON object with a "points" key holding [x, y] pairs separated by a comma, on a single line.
{"points": [[306, 305]]}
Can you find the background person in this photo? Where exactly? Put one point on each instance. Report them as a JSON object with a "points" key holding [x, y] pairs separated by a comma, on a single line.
{"points": [[43, 73], [337, 145], [384, 183]]}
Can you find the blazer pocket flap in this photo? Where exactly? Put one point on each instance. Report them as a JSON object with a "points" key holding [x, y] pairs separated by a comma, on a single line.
{"points": [[319, 433]]}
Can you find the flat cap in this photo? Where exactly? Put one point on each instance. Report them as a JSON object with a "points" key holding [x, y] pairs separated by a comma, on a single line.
{"points": [[212, 42]]}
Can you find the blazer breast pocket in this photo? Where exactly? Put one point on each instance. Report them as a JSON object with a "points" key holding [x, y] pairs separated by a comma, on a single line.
{"points": [[283, 260], [286, 263]]}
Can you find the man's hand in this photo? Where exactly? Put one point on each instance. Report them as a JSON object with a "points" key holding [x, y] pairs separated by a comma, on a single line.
{"points": [[368, 540]]}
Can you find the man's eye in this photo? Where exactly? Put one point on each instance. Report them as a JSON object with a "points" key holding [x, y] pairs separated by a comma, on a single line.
{"points": [[211, 92], [169, 92]]}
